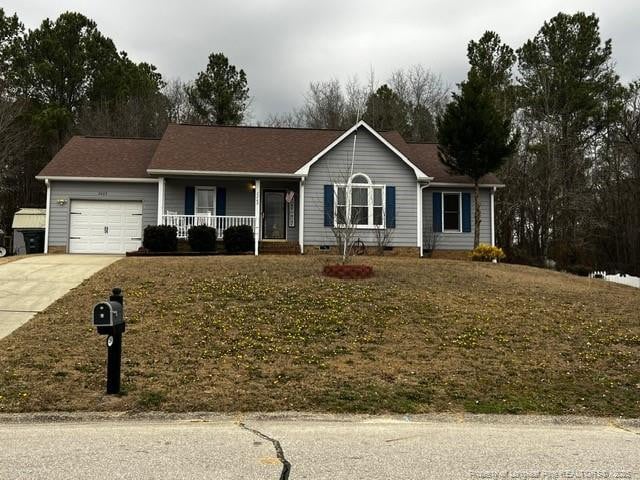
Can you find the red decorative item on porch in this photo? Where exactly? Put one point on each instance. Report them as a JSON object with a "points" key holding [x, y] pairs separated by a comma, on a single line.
{"points": [[348, 271]]}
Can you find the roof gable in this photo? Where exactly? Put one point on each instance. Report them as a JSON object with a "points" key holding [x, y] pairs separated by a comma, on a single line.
{"points": [[420, 175]]}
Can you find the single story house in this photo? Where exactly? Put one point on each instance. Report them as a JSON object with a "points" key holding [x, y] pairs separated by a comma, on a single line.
{"points": [[291, 185]]}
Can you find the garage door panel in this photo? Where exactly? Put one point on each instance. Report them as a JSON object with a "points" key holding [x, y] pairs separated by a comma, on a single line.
{"points": [[87, 232]]}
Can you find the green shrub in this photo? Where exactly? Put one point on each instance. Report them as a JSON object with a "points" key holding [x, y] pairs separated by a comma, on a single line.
{"points": [[202, 238], [238, 239], [160, 238], [487, 253]]}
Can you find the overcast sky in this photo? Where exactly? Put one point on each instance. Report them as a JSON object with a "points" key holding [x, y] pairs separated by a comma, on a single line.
{"points": [[283, 45]]}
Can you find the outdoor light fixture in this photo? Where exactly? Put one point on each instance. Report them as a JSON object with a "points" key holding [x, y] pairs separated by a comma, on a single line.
{"points": [[61, 201], [253, 186]]}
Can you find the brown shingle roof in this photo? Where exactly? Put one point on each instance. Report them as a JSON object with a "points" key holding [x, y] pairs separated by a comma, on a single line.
{"points": [[223, 149], [239, 149], [102, 157], [426, 157]]}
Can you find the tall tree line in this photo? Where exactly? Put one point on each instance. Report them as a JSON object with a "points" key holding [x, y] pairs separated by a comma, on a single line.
{"points": [[571, 190], [65, 77]]}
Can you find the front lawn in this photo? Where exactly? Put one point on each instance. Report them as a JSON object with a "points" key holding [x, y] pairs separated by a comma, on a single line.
{"points": [[271, 333]]}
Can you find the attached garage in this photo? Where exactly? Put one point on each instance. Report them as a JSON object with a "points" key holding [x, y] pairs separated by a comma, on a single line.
{"points": [[104, 226]]}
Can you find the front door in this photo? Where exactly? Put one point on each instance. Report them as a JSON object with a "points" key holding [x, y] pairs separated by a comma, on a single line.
{"points": [[274, 215]]}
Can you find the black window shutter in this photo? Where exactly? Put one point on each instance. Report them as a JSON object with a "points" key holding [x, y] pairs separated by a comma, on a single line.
{"points": [[189, 200], [328, 205], [466, 212], [221, 201], [437, 211], [391, 206]]}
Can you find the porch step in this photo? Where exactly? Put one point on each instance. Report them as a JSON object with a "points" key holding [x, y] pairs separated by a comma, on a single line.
{"points": [[279, 248]]}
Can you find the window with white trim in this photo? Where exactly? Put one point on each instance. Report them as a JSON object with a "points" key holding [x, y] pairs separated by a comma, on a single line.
{"points": [[359, 203], [205, 203], [452, 212]]}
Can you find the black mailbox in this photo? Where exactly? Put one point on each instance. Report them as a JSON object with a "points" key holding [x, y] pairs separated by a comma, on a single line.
{"points": [[108, 317], [107, 314]]}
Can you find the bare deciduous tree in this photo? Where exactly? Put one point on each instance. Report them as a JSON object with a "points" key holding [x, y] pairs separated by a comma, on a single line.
{"points": [[179, 110], [425, 95]]}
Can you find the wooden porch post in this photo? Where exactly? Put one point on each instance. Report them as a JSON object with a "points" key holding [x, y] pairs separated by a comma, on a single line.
{"points": [[256, 229]]}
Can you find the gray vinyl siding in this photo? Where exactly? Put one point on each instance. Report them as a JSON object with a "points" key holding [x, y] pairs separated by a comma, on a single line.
{"points": [[383, 166], [454, 240], [240, 197], [239, 194], [147, 193]]}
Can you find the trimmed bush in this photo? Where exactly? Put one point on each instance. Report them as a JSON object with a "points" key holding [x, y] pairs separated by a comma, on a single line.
{"points": [[202, 238], [160, 238], [487, 253], [238, 239]]}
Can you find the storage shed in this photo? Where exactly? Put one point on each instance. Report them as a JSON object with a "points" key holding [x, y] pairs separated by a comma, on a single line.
{"points": [[28, 230]]}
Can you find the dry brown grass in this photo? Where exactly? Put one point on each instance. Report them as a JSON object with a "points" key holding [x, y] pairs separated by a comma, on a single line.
{"points": [[271, 333]]}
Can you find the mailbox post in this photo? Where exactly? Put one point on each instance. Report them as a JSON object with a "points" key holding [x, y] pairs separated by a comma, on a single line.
{"points": [[108, 317]]}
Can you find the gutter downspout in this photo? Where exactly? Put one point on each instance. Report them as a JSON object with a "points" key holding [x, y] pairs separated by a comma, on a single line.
{"points": [[493, 220], [46, 218]]}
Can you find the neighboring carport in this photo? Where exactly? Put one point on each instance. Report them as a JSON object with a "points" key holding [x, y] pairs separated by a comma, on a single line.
{"points": [[30, 285]]}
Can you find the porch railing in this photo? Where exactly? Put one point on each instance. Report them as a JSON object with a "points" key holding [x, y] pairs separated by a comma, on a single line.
{"points": [[220, 222]]}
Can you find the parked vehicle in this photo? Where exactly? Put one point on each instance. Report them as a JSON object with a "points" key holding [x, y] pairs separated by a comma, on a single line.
{"points": [[3, 249]]}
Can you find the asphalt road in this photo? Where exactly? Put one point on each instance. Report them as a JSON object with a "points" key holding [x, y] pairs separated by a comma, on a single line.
{"points": [[321, 448]]}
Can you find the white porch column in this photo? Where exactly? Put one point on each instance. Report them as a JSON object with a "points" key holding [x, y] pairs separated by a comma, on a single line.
{"points": [[301, 216], [419, 212], [493, 218], [256, 229], [160, 199], [46, 218]]}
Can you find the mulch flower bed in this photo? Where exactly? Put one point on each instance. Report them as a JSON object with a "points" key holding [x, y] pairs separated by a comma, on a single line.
{"points": [[348, 271]]}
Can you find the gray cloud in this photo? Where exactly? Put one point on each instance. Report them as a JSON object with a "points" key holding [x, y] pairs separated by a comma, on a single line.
{"points": [[283, 45]]}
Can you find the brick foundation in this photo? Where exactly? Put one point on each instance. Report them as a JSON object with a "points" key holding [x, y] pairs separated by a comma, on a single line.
{"points": [[451, 254], [57, 249], [370, 251]]}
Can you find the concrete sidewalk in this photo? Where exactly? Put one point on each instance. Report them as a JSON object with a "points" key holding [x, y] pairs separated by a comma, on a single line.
{"points": [[31, 284], [325, 447]]}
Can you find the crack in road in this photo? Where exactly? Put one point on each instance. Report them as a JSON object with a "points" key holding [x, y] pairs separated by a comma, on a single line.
{"points": [[622, 427], [286, 466]]}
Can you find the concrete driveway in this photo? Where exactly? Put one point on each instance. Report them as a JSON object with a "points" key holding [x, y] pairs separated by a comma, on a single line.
{"points": [[31, 284]]}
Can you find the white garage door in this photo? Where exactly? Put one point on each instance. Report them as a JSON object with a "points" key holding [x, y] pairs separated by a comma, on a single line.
{"points": [[101, 226]]}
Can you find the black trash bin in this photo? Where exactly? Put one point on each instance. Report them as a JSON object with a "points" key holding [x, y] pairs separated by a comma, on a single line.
{"points": [[33, 241]]}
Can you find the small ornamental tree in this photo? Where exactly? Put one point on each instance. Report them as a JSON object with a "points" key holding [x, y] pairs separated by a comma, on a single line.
{"points": [[475, 137]]}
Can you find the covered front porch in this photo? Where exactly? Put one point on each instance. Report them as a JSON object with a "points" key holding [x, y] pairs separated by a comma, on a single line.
{"points": [[270, 206]]}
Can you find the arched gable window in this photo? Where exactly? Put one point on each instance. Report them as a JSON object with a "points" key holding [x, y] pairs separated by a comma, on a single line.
{"points": [[359, 203]]}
